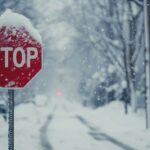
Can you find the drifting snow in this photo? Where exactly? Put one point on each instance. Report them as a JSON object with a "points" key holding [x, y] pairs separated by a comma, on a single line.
{"points": [[11, 19]]}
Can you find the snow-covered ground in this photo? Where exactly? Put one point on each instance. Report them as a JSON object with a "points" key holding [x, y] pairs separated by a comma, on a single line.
{"points": [[66, 132], [129, 129], [57, 124], [3, 134]]}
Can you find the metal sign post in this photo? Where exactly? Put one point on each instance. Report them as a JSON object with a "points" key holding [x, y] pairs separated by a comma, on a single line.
{"points": [[11, 120]]}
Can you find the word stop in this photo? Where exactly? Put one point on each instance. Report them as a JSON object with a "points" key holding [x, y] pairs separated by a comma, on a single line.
{"points": [[24, 58]]}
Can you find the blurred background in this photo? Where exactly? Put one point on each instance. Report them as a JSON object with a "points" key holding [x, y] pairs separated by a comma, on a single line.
{"points": [[91, 92]]}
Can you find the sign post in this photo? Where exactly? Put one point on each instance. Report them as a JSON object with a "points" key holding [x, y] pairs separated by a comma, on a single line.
{"points": [[20, 59], [11, 120]]}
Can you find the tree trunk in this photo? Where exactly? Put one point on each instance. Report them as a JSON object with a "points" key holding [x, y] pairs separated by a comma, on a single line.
{"points": [[147, 57]]}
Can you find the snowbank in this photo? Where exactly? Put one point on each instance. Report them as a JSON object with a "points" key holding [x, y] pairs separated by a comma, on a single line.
{"points": [[11, 19]]}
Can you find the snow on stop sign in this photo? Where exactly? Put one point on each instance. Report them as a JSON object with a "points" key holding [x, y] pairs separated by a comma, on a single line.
{"points": [[20, 51]]}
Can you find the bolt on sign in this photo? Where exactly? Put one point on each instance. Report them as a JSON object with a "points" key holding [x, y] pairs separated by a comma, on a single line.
{"points": [[20, 53]]}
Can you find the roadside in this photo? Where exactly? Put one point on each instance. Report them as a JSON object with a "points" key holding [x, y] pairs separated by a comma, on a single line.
{"points": [[102, 136], [110, 119]]}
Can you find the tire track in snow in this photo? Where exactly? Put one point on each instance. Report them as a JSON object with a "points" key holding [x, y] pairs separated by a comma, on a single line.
{"points": [[97, 135], [43, 134], [44, 130]]}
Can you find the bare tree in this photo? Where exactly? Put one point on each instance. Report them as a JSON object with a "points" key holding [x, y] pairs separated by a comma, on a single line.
{"points": [[115, 29]]}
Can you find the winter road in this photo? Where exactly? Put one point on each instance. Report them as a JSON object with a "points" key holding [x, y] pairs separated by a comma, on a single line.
{"points": [[66, 131]]}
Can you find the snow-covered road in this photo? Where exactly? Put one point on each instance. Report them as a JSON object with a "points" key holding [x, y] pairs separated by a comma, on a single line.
{"points": [[68, 126], [67, 132]]}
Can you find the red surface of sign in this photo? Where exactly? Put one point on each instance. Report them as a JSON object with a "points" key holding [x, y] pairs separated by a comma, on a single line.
{"points": [[20, 57]]}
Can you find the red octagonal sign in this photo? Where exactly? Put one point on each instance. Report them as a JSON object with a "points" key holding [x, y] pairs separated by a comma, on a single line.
{"points": [[20, 57]]}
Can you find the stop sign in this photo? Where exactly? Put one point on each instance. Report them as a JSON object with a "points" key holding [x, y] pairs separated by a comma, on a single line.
{"points": [[20, 57]]}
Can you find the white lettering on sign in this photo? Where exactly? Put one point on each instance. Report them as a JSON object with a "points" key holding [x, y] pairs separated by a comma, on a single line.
{"points": [[32, 53], [6, 50], [21, 51]]}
